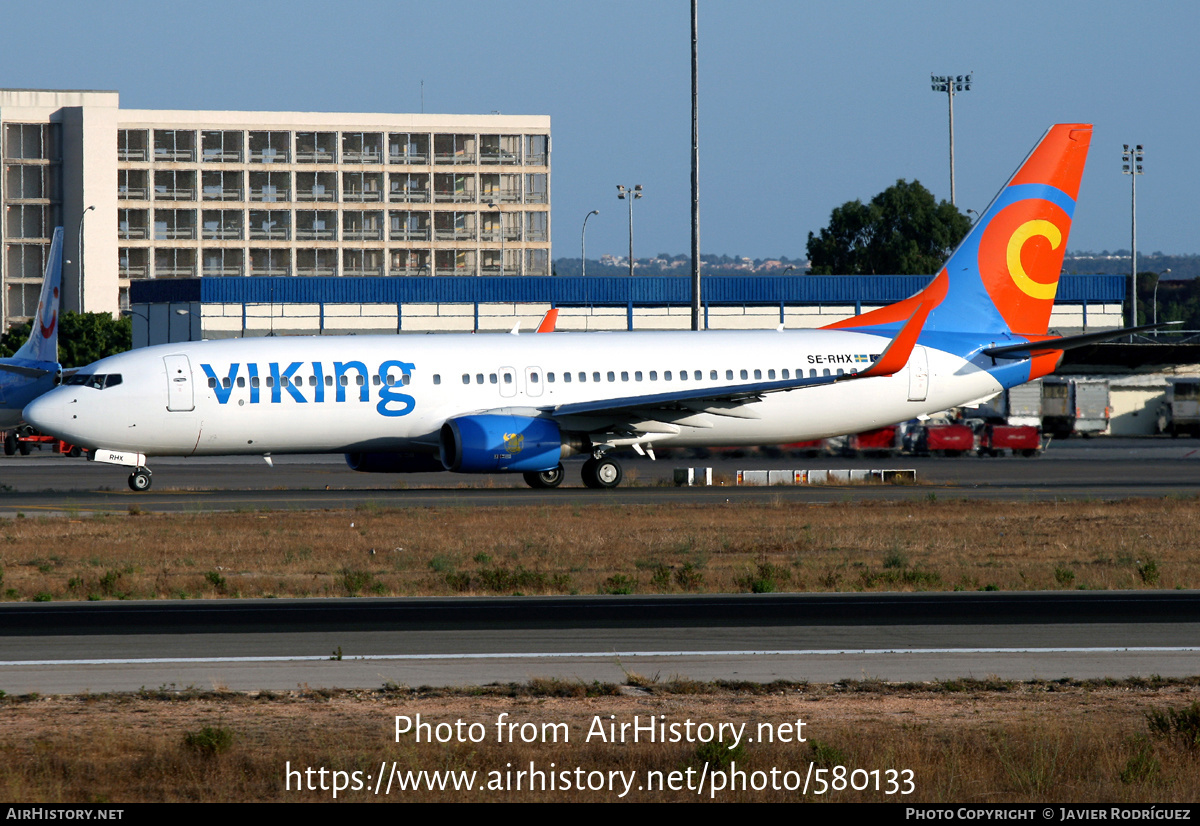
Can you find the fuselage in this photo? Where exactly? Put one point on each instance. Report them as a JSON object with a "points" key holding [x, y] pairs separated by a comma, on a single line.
{"points": [[391, 393]]}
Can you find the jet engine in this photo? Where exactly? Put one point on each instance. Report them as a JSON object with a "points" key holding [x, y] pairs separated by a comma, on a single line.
{"points": [[503, 444], [394, 462]]}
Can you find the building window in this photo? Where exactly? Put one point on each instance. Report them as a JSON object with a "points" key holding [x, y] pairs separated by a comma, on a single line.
{"points": [[133, 145], [222, 262], [316, 225], [174, 145], [273, 262], [132, 185], [221, 147], [362, 147], [222, 186], [133, 262], [316, 147], [270, 147], [174, 263], [175, 185], [174, 225], [316, 262], [132, 224], [221, 225], [270, 225], [270, 187], [316, 186], [408, 148]]}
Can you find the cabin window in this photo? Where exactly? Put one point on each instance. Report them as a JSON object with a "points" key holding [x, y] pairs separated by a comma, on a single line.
{"points": [[508, 378], [377, 381], [284, 381], [405, 378], [812, 374], [360, 380], [344, 381], [566, 376], [212, 382], [770, 374], [666, 376], [329, 381], [312, 381], [492, 378], [270, 381], [728, 375], [241, 381], [254, 381], [226, 383], [785, 373], [550, 377], [637, 376], [437, 378], [624, 375], [744, 375], [596, 376], [841, 372], [467, 378], [825, 372], [533, 378]]}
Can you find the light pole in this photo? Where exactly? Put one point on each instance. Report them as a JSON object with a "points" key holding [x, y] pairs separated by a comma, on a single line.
{"points": [[1131, 165], [633, 194], [79, 251], [583, 239], [1156, 281], [951, 84]]}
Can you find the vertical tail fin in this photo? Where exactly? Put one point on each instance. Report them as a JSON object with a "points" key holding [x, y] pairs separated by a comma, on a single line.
{"points": [[43, 338], [1004, 275]]}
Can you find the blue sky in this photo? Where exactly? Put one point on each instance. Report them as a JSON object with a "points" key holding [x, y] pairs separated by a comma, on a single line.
{"points": [[803, 105]]}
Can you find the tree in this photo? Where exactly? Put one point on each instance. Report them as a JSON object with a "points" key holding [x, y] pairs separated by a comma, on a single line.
{"points": [[903, 231], [82, 337]]}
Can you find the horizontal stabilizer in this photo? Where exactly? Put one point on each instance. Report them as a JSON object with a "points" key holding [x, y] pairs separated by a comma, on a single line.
{"points": [[1057, 345]]}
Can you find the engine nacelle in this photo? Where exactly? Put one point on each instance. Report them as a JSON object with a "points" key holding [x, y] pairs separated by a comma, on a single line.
{"points": [[501, 444], [394, 462]]}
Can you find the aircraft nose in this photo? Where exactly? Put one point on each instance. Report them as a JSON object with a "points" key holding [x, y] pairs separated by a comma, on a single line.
{"points": [[48, 414]]}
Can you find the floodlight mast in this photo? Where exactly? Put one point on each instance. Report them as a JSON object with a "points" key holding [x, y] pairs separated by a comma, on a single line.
{"points": [[1131, 165], [951, 84], [633, 194]]}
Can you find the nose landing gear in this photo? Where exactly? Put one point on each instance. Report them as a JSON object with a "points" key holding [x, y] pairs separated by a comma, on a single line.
{"points": [[140, 480]]}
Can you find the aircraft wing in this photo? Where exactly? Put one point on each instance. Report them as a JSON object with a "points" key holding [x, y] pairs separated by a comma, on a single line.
{"points": [[892, 360], [680, 399]]}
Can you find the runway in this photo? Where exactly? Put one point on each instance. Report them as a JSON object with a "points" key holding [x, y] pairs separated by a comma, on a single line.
{"points": [[1074, 469], [284, 644], [895, 637]]}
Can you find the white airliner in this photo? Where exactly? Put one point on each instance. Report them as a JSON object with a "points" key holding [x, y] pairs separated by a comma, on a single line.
{"points": [[34, 369], [511, 403]]}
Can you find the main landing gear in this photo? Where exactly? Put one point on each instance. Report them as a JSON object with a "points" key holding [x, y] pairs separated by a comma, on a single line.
{"points": [[546, 478], [602, 472], [140, 479]]}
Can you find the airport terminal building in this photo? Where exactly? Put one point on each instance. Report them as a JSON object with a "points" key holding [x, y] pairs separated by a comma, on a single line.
{"points": [[162, 194]]}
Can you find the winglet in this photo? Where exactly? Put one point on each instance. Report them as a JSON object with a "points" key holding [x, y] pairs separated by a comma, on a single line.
{"points": [[895, 356], [43, 337]]}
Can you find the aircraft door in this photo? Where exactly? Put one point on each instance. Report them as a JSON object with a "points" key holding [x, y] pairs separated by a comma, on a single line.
{"points": [[918, 374], [508, 382], [180, 397], [534, 377]]}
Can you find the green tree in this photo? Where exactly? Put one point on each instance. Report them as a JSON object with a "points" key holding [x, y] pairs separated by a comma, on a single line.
{"points": [[902, 231], [82, 337]]}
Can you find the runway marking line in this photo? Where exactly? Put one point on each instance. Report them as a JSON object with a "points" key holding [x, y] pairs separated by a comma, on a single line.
{"points": [[811, 652]]}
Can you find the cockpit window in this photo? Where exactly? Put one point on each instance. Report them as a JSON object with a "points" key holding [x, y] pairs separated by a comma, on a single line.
{"points": [[97, 381]]}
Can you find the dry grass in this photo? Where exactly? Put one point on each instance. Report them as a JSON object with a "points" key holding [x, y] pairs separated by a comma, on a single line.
{"points": [[967, 744], [927, 545]]}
